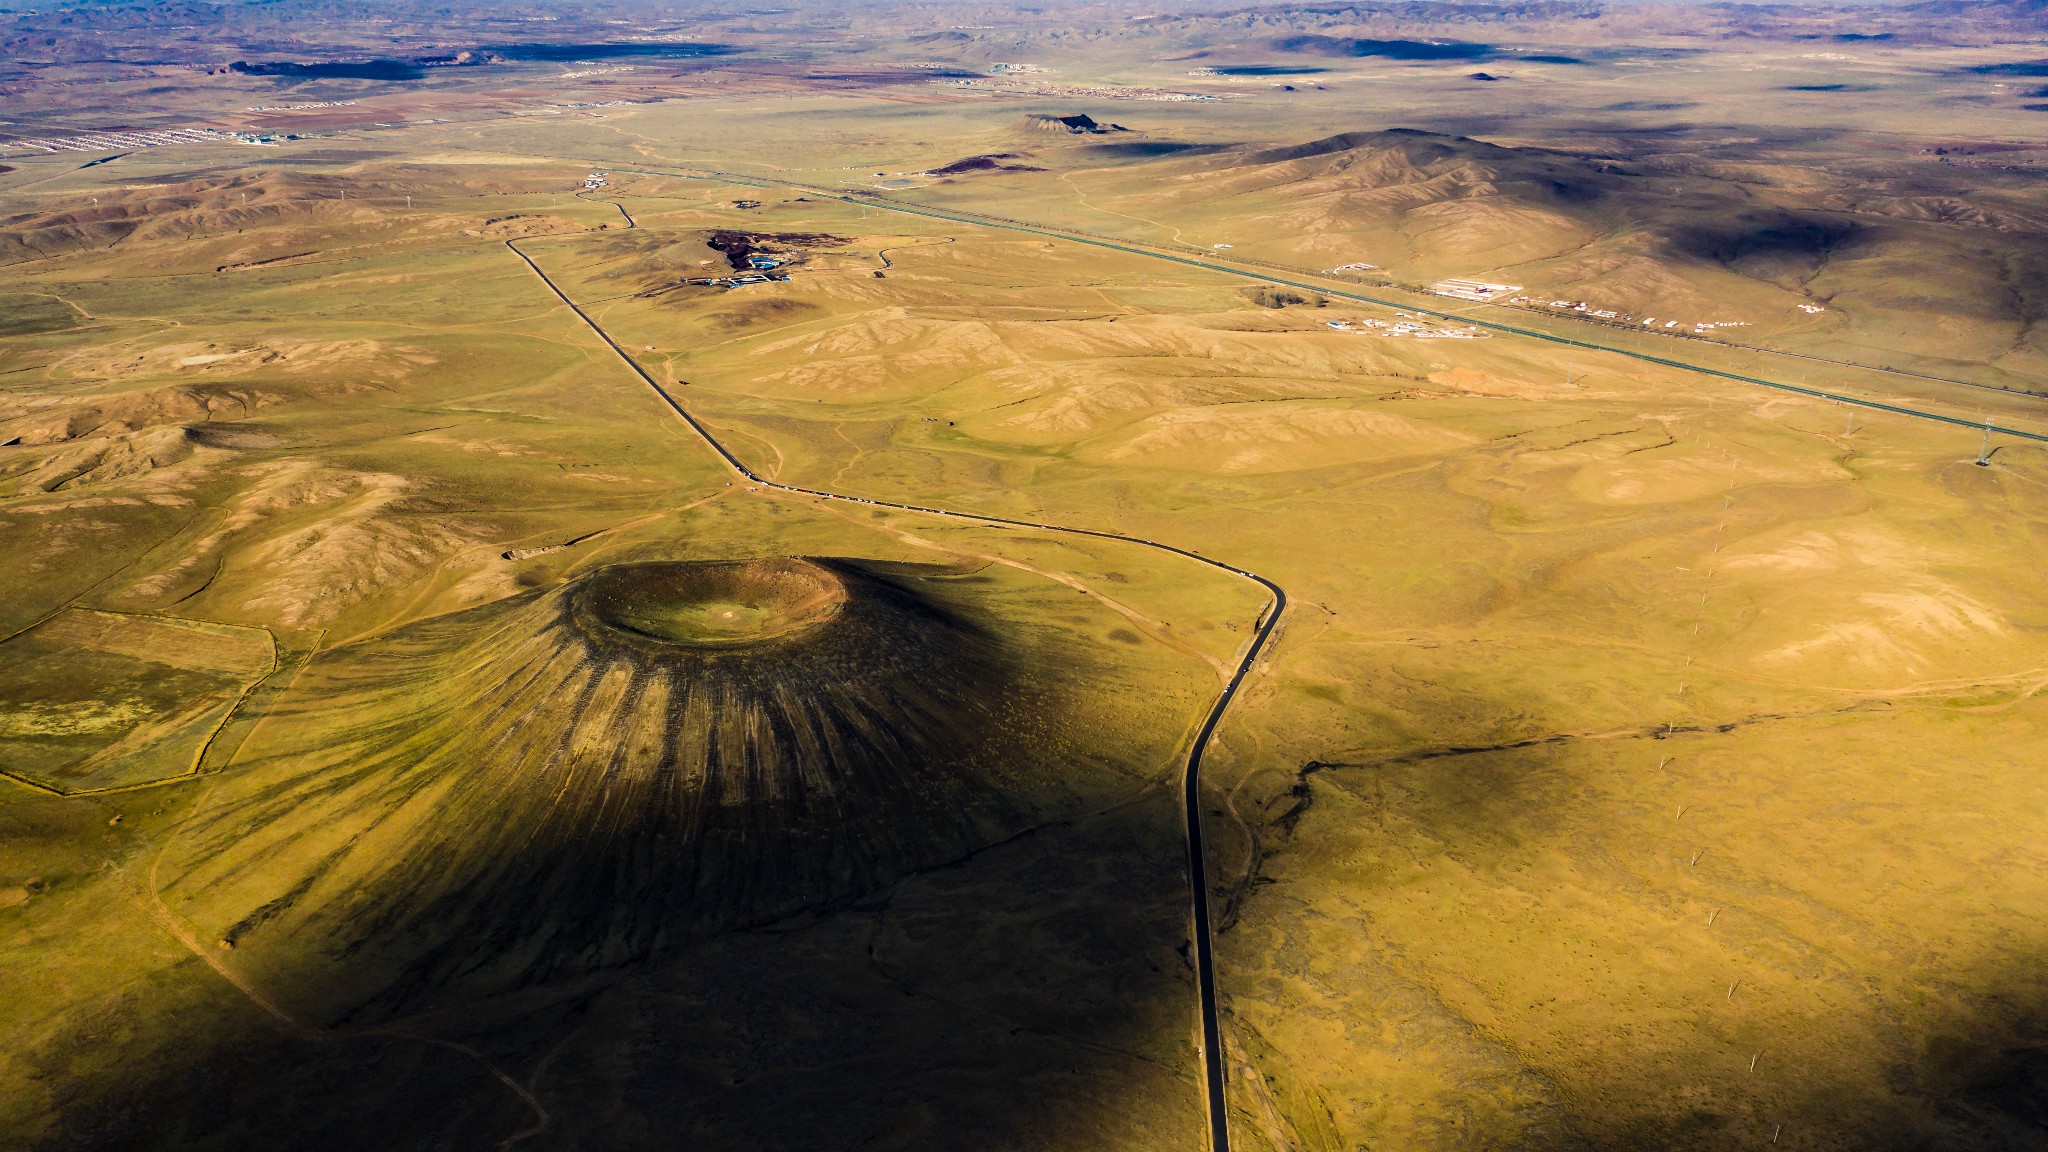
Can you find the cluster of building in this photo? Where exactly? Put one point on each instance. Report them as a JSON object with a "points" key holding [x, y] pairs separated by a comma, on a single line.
{"points": [[1406, 324], [1479, 290], [1579, 306], [740, 280], [593, 182], [1079, 91], [1698, 327], [303, 107], [119, 141], [1695, 327], [761, 269], [1341, 269], [1490, 293]]}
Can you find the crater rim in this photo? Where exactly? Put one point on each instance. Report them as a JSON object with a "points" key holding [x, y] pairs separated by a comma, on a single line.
{"points": [[710, 605]]}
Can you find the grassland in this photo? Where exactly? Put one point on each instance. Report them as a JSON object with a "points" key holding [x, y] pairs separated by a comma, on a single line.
{"points": [[1646, 760]]}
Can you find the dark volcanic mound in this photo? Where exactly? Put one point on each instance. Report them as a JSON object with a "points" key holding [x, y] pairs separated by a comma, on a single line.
{"points": [[1079, 124], [589, 775]]}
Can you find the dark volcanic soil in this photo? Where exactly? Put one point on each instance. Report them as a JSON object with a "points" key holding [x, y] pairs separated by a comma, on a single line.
{"points": [[737, 246]]}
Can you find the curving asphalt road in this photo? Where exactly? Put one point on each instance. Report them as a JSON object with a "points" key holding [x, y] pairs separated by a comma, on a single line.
{"points": [[883, 253], [1191, 779]]}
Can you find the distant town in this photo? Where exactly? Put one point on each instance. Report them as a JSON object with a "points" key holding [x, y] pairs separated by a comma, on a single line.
{"points": [[303, 107], [1487, 292], [1407, 324], [1079, 91], [120, 141]]}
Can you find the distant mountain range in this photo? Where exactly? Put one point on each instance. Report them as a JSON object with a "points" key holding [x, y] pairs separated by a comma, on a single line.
{"points": [[275, 37]]}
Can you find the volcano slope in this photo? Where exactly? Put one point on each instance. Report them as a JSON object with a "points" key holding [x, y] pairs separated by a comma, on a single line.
{"points": [[597, 774], [778, 847], [937, 883]]}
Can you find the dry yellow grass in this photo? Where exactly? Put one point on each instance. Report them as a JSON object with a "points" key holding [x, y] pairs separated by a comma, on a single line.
{"points": [[1644, 761]]}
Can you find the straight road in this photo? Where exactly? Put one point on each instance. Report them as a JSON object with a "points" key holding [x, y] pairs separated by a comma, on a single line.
{"points": [[1191, 777]]}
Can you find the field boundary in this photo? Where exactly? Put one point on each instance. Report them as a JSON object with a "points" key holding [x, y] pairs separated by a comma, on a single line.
{"points": [[234, 706]]}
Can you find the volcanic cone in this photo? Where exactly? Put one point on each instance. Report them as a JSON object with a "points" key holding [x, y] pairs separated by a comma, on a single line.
{"points": [[584, 776]]}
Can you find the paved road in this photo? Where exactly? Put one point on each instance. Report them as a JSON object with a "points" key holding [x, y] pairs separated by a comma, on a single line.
{"points": [[882, 254], [1191, 778]]}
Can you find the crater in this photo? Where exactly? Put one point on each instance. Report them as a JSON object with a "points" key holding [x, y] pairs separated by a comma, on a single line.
{"points": [[711, 605], [599, 773]]}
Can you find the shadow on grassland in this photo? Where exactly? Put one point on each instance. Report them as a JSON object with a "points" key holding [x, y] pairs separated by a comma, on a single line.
{"points": [[1777, 244], [1984, 1061], [1033, 996], [1963, 1057], [905, 882]]}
